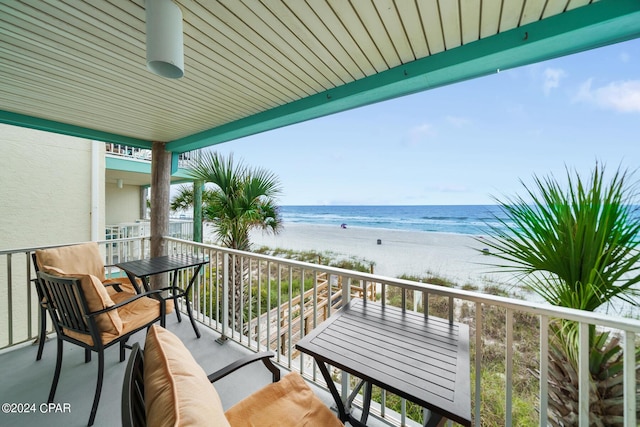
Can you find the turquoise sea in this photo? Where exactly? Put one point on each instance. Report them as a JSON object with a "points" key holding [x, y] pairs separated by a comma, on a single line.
{"points": [[461, 219]]}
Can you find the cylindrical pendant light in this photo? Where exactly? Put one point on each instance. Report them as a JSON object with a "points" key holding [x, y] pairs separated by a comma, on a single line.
{"points": [[165, 54]]}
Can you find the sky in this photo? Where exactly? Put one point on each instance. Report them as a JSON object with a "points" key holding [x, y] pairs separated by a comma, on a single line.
{"points": [[464, 143]]}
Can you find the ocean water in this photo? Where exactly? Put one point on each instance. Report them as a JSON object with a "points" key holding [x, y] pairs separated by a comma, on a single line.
{"points": [[460, 219]]}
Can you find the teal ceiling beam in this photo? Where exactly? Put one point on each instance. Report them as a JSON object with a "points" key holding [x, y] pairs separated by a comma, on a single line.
{"points": [[136, 166], [174, 162], [598, 24], [127, 165], [31, 122]]}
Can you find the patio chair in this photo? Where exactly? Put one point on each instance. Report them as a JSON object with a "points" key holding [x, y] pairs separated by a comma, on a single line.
{"points": [[164, 386], [83, 258], [83, 314]]}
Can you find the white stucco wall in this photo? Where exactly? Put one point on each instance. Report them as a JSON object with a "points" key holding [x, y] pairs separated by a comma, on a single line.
{"points": [[123, 203], [45, 188], [45, 199]]}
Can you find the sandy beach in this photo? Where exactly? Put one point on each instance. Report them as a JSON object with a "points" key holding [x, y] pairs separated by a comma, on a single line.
{"points": [[453, 256]]}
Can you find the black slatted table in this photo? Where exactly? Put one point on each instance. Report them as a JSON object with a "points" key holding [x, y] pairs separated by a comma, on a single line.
{"points": [[144, 268], [423, 359]]}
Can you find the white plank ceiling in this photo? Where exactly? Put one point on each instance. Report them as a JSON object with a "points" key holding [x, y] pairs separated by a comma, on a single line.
{"points": [[83, 63]]}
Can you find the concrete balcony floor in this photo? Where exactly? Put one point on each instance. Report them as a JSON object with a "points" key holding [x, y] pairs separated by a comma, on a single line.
{"points": [[25, 380]]}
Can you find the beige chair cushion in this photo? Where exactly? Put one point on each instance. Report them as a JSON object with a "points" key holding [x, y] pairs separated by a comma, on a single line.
{"points": [[124, 284], [133, 315], [288, 402], [84, 258], [118, 297], [177, 391], [97, 299]]}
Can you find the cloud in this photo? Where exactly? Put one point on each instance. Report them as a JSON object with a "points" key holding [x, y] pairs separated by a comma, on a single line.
{"points": [[419, 133], [621, 96], [552, 77]]}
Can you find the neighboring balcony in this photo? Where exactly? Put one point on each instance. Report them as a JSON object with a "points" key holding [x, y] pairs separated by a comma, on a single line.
{"points": [[178, 228], [282, 301], [133, 153]]}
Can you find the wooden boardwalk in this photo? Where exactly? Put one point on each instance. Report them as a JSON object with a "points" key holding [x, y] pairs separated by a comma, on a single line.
{"points": [[275, 327]]}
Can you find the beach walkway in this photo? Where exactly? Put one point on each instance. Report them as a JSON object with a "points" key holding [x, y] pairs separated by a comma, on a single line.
{"points": [[274, 327]]}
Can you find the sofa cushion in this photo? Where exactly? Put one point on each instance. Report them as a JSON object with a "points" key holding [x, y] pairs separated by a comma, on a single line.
{"points": [[177, 391], [84, 258], [97, 299], [288, 402]]}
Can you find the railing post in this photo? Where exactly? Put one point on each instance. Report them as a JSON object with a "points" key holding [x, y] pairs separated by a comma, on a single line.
{"points": [[629, 371], [544, 369], [346, 294], [583, 375], [478, 360], [9, 299], [509, 369], [345, 390], [225, 298], [29, 297]]}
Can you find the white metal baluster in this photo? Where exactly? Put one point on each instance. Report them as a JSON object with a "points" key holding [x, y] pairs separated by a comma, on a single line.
{"points": [[208, 289], [583, 376], [478, 359], [383, 293], [315, 312], [544, 369], [302, 317], [249, 303], [218, 279], [346, 296], [426, 304], [9, 299], [268, 284], [240, 275], [279, 313], [29, 296], [344, 383], [289, 317], [629, 379], [259, 307], [509, 369], [225, 295]]}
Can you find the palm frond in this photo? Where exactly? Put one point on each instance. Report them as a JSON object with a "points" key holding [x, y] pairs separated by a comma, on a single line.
{"points": [[241, 199], [578, 245]]}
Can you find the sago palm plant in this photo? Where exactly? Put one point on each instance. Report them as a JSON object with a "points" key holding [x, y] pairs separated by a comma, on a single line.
{"points": [[576, 247], [240, 199]]}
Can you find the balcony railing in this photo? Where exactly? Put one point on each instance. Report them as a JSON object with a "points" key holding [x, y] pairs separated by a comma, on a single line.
{"points": [[282, 300], [180, 229], [133, 153]]}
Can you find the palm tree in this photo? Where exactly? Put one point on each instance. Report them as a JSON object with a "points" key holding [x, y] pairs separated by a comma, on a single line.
{"points": [[576, 248], [242, 199]]}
